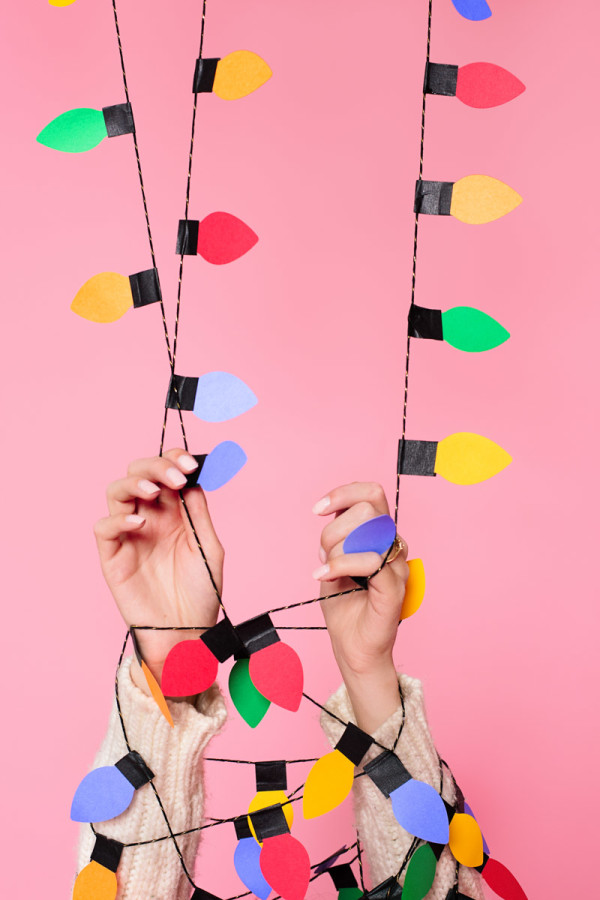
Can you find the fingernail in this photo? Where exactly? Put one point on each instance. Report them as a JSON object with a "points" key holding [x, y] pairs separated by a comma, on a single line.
{"points": [[148, 487], [176, 477], [322, 555], [187, 462], [321, 505], [135, 520], [319, 573]]}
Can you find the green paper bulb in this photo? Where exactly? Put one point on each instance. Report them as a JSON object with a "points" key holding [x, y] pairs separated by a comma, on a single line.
{"points": [[472, 330], [419, 874], [74, 131], [249, 702], [350, 893]]}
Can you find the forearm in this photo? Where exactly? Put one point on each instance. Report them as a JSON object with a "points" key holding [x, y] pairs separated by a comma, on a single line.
{"points": [[175, 757]]}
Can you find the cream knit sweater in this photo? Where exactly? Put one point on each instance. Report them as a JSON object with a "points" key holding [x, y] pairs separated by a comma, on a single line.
{"points": [[154, 872]]}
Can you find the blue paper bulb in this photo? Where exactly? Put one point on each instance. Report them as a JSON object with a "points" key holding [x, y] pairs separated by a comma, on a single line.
{"points": [[221, 396], [375, 534], [103, 794], [246, 862], [420, 810], [221, 464], [475, 10]]}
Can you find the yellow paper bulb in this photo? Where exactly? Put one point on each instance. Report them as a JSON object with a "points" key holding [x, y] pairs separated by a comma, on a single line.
{"points": [[466, 840], [270, 798], [95, 883], [239, 73], [103, 298], [158, 695], [466, 458], [479, 198], [328, 784], [61, 2], [415, 588]]}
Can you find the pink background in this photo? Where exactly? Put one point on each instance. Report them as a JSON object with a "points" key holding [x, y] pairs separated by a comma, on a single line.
{"points": [[321, 162]]}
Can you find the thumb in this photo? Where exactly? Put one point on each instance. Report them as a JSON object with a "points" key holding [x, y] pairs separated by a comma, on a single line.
{"points": [[195, 508]]}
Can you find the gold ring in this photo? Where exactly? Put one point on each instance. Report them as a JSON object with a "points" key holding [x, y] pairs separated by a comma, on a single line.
{"points": [[396, 549]]}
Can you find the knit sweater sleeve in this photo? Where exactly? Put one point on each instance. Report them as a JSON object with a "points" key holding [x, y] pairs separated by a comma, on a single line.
{"points": [[175, 757], [384, 840]]}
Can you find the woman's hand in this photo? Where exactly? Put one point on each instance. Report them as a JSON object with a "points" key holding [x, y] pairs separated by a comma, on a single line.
{"points": [[362, 625], [150, 558]]}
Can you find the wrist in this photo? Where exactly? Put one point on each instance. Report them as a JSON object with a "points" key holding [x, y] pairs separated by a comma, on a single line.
{"points": [[373, 694]]}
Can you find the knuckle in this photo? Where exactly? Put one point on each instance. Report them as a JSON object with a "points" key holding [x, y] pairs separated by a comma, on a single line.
{"points": [[376, 493], [365, 509]]}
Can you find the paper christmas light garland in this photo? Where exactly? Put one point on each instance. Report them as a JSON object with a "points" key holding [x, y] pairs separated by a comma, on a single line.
{"points": [[266, 669]]}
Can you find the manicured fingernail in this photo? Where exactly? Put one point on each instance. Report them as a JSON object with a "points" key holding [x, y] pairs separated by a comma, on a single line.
{"points": [[135, 520], [187, 462], [176, 477], [322, 555], [148, 487], [321, 505], [319, 573]]}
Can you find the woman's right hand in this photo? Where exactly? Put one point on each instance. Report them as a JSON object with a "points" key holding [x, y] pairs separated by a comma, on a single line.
{"points": [[150, 558]]}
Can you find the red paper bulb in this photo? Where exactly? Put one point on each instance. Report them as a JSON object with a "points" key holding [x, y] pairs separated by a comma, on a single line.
{"points": [[502, 882], [223, 238], [276, 671], [190, 668], [285, 865], [484, 84]]}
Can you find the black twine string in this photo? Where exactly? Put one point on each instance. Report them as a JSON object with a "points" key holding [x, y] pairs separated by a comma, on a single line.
{"points": [[414, 274]]}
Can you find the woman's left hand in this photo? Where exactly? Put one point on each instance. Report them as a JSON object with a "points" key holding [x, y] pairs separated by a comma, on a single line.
{"points": [[362, 625]]}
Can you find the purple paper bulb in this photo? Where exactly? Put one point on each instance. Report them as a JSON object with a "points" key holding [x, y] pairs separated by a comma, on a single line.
{"points": [[103, 794]]}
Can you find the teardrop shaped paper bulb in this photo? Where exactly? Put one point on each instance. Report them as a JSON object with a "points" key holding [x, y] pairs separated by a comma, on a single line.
{"points": [[239, 73], [103, 298], [221, 396], [223, 238], [467, 458], [328, 784], [61, 2], [470, 812], [246, 860], [95, 882], [276, 671], [349, 893], [376, 534], [285, 864], [472, 330], [475, 10], [157, 694], [466, 842], [74, 131], [420, 810], [249, 702], [419, 874], [415, 588], [221, 464], [483, 85], [103, 794], [189, 669], [477, 199], [502, 882], [271, 798]]}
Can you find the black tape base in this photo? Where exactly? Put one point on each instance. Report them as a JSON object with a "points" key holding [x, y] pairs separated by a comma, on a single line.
{"points": [[257, 633], [187, 237], [425, 323], [354, 743], [118, 119], [417, 457], [107, 852], [269, 822], [145, 288], [271, 775], [440, 79], [387, 772], [204, 75], [182, 392], [433, 198]]}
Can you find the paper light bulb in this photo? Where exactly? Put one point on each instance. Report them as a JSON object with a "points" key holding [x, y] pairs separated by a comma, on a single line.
{"points": [[267, 800], [470, 812], [502, 881], [415, 588], [463, 327], [246, 860], [474, 199], [331, 778], [218, 467], [463, 458], [213, 397], [350, 893], [151, 681], [420, 873], [480, 85], [107, 296], [276, 672], [465, 839], [107, 791], [61, 2], [98, 880], [249, 702], [285, 864], [420, 810], [345, 882], [220, 238], [232, 77], [375, 535], [190, 668], [78, 130], [475, 10]]}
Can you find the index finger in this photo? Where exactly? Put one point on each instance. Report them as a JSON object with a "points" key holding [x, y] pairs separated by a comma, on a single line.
{"points": [[346, 495]]}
